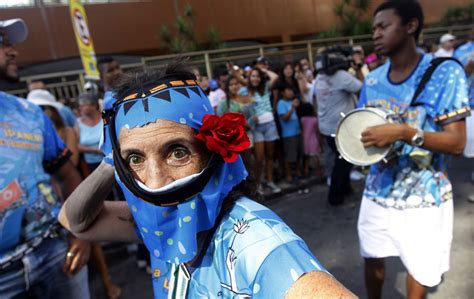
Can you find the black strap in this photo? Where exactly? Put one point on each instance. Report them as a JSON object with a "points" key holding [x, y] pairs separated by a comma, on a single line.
{"points": [[209, 234], [427, 76]]}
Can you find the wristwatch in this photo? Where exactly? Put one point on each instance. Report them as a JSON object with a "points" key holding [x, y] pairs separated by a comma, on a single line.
{"points": [[418, 139]]}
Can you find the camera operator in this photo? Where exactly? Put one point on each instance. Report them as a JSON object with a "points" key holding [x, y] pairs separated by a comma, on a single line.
{"points": [[358, 68], [335, 89]]}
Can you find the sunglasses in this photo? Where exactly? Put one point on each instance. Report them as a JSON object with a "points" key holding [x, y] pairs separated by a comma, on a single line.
{"points": [[5, 41]]}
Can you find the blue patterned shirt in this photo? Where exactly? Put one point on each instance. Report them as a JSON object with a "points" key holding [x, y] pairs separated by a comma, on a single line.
{"points": [[417, 177], [29, 146], [253, 254]]}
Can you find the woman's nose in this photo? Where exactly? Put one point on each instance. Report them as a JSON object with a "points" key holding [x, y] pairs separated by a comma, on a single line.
{"points": [[157, 176]]}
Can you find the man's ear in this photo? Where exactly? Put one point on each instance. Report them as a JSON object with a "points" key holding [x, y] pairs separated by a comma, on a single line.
{"points": [[412, 26]]}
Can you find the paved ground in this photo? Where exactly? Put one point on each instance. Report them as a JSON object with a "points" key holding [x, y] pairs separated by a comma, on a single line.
{"points": [[332, 236]]}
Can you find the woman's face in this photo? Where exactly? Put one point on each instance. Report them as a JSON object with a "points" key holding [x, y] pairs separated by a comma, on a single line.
{"points": [[162, 152], [288, 71], [255, 78], [88, 109], [234, 87], [48, 111]]}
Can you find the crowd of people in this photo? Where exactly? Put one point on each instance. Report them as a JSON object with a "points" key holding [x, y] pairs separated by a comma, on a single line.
{"points": [[174, 160]]}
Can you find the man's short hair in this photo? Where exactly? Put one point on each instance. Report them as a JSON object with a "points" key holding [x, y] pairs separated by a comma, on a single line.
{"points": [[221, 72], [103, 60], [406, 10]]}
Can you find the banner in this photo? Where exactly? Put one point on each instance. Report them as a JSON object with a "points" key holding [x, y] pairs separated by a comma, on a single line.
{"points": [[84, 39]]}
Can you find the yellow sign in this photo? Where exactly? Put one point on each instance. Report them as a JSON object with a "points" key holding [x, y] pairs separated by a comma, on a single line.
{"points": [[84, 39]]}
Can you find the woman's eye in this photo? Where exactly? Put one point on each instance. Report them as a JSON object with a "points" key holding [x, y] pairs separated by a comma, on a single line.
{"points": [[180, 153], [134, 160]]}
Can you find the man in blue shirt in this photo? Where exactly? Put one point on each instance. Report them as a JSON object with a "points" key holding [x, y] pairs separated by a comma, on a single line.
{"points": [[35, 259], [407, 206], [110, 75]]}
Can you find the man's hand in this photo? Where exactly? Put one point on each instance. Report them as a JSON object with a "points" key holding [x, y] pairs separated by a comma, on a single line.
{"points": [[384, 135], [77, 255]]}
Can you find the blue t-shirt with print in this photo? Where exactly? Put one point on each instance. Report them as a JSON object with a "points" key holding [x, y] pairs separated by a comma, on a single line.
{"points": [[417, 177], [29, 146], [465, 52], [290, 127], [252, 254]]}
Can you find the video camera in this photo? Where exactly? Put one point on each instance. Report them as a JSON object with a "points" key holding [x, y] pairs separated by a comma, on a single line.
{"points": [[334, 59]]}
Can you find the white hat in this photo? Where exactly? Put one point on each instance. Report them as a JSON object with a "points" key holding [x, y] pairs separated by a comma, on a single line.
{"points": [[43, 97], [15, 29], [446, 38]]}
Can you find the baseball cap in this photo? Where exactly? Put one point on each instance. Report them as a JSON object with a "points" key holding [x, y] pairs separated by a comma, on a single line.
{"points": [[372, 57], [43, 97], [91, 87], [262, 60], [15, 29], [446, 38], [213, 85]]}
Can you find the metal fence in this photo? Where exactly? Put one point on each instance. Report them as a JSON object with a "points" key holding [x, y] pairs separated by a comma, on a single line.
{"points": [[69, 84]]}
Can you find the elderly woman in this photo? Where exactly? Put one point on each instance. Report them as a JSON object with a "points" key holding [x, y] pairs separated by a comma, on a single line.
{"points": [[90, 128], [179, 167]]}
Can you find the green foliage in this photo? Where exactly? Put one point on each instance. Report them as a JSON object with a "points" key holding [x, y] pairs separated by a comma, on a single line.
{"points": [[339, 9], [185, 39], [214, 38], [188, 10], [459, 15], [333, 31], [351, 14], [362, 5], [165, 34]]}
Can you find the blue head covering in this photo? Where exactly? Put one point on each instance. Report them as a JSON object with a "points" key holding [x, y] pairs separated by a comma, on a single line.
{"points": [[170, 232]]}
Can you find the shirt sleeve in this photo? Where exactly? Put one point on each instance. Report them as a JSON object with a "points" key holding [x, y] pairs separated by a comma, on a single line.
{"points": [[55, 152], [349, 82], [281, 108], [282, 267], [244, 91], [69, 116], [446, 95], [221, 108], [362, 97]]}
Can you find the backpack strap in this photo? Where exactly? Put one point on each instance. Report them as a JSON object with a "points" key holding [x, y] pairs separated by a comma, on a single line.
{"points": [[427, 76]]}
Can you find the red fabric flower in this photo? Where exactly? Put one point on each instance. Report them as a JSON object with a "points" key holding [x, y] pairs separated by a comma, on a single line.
{"points": [[224, 135]]}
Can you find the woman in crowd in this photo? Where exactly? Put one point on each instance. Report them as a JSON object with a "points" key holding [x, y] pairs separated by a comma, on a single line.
{"points": [[90, 129], [307, 86], [312, 140], [51, 107], [288, 77], [184, 181], [241, 104], [265, 133]]}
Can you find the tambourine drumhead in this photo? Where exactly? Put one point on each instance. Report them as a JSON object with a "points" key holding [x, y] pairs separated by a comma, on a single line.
{"points": [[349, 133]]}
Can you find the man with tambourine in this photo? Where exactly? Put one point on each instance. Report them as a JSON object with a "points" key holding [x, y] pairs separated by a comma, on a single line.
{"points": [[421, 104]]}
